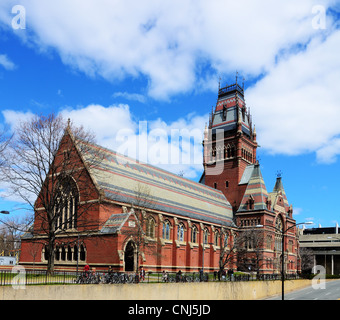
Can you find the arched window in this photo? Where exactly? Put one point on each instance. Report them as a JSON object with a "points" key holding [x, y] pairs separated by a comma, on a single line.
{"points": [[194, 234], [57, 253], [225, 242], [75, 253], [66, 204], [82, 255], [233, 151], [150, 228], [205, 236], [46, 252], [69, 253], [217, 238], [63, 253], [180, 232], [166, 230]]}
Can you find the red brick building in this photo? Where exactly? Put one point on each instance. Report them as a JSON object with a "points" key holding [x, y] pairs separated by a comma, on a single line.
{"points": [[143, 215], [137, 211], [230, 165]]}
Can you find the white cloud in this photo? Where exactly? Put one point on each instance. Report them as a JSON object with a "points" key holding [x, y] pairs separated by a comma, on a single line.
{"points": [[175, 146], [182, 46], [329, 152], [172, 146], [167, 41], [105, 122], [6, 63], [13, 118], [130, 96], [297, 211], [296, 105]]}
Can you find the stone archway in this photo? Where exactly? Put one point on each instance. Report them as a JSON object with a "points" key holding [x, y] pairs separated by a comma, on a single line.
{"points": [[129, 256]]}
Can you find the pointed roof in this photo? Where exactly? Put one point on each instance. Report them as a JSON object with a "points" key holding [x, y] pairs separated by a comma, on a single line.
{"points": [[279, 191], [231, 110], [256, 195], [119, 177]]}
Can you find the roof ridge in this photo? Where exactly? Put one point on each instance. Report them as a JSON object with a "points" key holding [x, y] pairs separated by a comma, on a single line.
{"points": [[153, 167]]}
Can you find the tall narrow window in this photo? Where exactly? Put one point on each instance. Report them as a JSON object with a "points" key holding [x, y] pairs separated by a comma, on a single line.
{"points": [[82, 253], [166, 230], [278, 234], [217, 238], [180, 232], [194, 234], [205, 236], [150, 228], [66, 204]]}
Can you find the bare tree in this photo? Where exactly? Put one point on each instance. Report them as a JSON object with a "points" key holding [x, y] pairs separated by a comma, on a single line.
{"points": [[45, 167], [250, 250], [143, 233], [228, 249], [11, 230], [5, 138], [306, 260]]}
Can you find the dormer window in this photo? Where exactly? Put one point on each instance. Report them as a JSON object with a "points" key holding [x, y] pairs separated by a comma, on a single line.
{"points": [[250, 203]]}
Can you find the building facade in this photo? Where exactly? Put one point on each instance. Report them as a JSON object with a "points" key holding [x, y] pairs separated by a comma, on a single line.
{"points": [[230, 165], [140, 215], [135, 214], [323, 243]]}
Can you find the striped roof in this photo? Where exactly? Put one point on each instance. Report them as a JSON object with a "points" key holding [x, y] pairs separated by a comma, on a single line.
{"points": [[129, 181], [115, 223], [256, 190], [279, 191]]}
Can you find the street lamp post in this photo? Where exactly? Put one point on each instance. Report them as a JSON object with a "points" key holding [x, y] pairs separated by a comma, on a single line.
{"points": [[282, 249]]}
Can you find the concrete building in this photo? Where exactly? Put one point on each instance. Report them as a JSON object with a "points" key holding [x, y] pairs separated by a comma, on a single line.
{"points": [[325, 245]]}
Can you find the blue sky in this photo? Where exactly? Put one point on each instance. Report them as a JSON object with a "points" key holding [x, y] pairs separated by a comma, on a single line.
{"points": [[139, 72]]}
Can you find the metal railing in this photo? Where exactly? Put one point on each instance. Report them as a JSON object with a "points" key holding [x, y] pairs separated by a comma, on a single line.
{"points": [[35, 277]]}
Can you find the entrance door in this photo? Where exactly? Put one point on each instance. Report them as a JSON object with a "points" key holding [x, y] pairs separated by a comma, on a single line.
{"points": [[129, 256]]}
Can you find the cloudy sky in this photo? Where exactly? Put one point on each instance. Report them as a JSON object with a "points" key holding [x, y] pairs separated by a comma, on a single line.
{"points": [[143, 76]]}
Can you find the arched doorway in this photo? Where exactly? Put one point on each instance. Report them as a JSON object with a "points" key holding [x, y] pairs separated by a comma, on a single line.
{"points": [[129, 256]]}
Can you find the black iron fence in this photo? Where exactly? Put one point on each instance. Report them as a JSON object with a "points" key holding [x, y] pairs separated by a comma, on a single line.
{"points": [[35, 277]]}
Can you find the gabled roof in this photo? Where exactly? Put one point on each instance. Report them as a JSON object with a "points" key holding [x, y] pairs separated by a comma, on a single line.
{"points": [[256, 191], [116, 222], [129, 181]]}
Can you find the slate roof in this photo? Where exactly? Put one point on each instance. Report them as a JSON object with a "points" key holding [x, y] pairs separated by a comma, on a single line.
{"points": [[115, 222], [227, 100], [279, 190], [256, 189], [118, 177]]}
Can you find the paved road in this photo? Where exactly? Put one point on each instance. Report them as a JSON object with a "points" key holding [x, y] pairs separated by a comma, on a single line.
{"points": [[330, 292]]}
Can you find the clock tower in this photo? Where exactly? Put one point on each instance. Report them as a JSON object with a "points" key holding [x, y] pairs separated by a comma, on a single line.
{"points": [[229, 144]]}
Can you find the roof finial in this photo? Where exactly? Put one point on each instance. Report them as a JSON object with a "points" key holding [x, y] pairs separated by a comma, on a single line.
{"points": [[278, 173], [236, 76], [68, 123]]}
